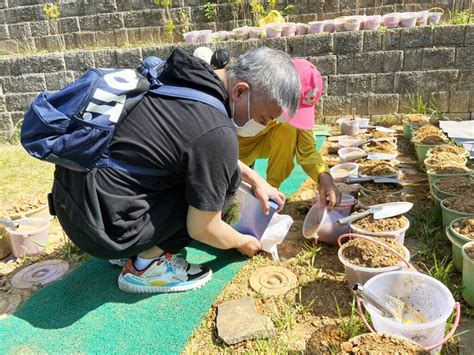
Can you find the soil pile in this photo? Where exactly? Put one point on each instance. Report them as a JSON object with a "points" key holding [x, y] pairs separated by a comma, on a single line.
{"points": [[465, 227], [444, 158], [26, 205], [448, 148], [363, 253], [426, 131], [380, 147], [372, 186], [376, 343], [391, 224], [378, 198], [456, 185], [463, 203], [417, 117], [325, 340], [378, 170], [449, 169], [433, 140], [470, 252]]}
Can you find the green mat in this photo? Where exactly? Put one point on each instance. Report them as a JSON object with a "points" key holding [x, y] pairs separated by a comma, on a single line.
{"points": [[86, 312]]}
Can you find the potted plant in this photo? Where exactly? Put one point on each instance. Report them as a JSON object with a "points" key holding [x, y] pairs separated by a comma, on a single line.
{"points": [[393, 227], [434, 15]]}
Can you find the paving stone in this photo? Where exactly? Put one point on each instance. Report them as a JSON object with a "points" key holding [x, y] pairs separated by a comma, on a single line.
{"points": [[383, 104], [85, 39], [39, 28], [336, 105], [412, 59], [296, 46], [88, 23], [371, 62], [459, 101], [56, 81], [318, 44], [360, 84], [392, 39], [360, 105], [132, 19], [466, 80], [19, 30], [69, 41], [448, 35], [409, 81], [109, 22], [437, 80], [345, 64], [385, 83], [438, 58], [105, 59], [465, 57], [121, 37], [79, 61], [129, 58], [326, 64], [372, 41], [417, 37], [44, 63], [337, 85], [238, 321], [102, 6], [24, 83], [69, 25], [469, 41], [19, 102], [392, 61], [4, 35], [54, 43], [348, 42]]}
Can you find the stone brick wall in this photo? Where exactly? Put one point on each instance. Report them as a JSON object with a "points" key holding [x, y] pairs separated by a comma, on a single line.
{"points": [[117, 23], [370, 72]]}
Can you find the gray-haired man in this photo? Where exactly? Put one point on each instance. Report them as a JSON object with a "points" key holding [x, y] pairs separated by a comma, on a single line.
{"points": [[115, 214]]}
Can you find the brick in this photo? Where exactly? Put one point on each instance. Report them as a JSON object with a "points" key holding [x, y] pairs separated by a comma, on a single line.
{"points": [[465, 57], [326, 64], [39, 28], [448, 35], [128, 58], [133, 36], [105, 59], [22, 14], [360, 84], [412, 59], [417, 37], [40, 44], [132, 19], [345, 64], [109, 22], [383, 104], [385, 83], [276, 43], [104, 39], [440, 100], [68, 25], [9, 47], [437, 80], [371, 62], [5, 66], [88, 23], [145, 35], [469, 41], [348, 42], [121, 37], [438, 58], [392, 61], [54, 43], [70, 41], [24, 83], [336, 105], [19, 30], [4, 35], [360, 105], [56, 81], [44, 63], [459, 101], [79, 61], [97, 7], [409, 81], [19, 102], [85, 39], [318, 44], [392, 39], [337, 85], [296, 46], [74, 8], [466, 80], [372, 41]]}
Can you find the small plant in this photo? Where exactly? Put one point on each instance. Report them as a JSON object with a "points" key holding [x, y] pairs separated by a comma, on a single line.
{"points": [[272, 4], [170, 27], [210, 11], [460, 18], [417, 104], [288, 10], [52, 15], [185, 21], [442, 271], [352, 326], [51, 11], [257, 10]]}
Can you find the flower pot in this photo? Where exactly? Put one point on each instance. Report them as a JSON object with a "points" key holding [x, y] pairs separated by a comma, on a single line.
{"points": [[408, 128], [205, 36], [457, 240], [436, 204], [348, 126], [432, 176], [316, 26], [339, 23], [241, 33], [341, 172], [353, 23], [289, 29], [466, 182], [255, 32], [301, 29], [398, 235], [408, 19], [191, 37], [329, 26], [429, 166], [434, 18], [391, 20], [372, 22], [29, 241], [5, 247], [359, 274], [422, 150], [219, 36], [468, 274], [350, 154], [448, 215], [456, 150], [400, 192], [274, 30], [422, 18]]}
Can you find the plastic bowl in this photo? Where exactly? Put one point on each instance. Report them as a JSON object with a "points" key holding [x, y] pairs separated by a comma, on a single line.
{"points": [[408, 19], [329, 26], [372, 22], [316, 26], [391, 20], [191, 37], [348, 141], [289, 29], [241, 33], [339, 23], [341, 172], [205, 36], [353, 23], [347, 155], [31, 241], [301, 29]]}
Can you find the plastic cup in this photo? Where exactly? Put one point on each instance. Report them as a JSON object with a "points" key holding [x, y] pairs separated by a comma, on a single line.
{"points": [[408, 19], [316, 26], [289, 29], [341, 172], [391, 20], [191, 37], [29, 242], [372, 22]]}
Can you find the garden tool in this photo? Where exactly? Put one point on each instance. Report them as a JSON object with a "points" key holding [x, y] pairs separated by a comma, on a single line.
{"points": [[382, 129], [377, 180], [383, 210], [9, 224], [390, 306]]}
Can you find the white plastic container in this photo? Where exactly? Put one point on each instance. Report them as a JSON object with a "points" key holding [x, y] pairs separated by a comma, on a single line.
{"points": [[349, 141], [372, 22], [408, 19], [341, 172], [346, 157], [399, 235], [205, 36], [289, 29], [329, 26], [364, 122], [316, 26], [391, 20], [358, 274], [191, 37], [339, 23], [426, 294], [31, 241]]}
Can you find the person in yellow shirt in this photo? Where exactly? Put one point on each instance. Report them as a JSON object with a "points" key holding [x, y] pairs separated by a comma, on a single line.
{"points": [[284, 139]]}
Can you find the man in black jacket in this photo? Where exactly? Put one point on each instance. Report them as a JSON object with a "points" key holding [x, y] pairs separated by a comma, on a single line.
{"points": [[114, 214]]}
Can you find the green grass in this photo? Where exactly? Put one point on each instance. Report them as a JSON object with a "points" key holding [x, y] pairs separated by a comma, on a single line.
{"points": [[22, 176]]}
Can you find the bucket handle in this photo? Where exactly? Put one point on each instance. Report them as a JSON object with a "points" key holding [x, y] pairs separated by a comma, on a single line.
{"points": [[351, 235], [436, 8], [429, 348]]}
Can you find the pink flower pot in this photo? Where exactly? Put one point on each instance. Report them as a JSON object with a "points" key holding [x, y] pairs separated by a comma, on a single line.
{"points": [[339, 23], [372, 22], [434, 18], [255, 32], [352, 23], [289, 29], [391, 20], [301, 29], [329, 26], [205, 36], [241, 33], [316, 26], [274, 30], [191, 37], [422, 18], [408, 19]]}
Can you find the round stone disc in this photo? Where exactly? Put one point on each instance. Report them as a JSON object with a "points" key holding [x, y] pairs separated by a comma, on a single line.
{"points": [[272, 281], [8, 304], [42, 273]]}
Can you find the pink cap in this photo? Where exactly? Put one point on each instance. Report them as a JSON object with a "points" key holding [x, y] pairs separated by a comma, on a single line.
{"points": [[311, 91]]}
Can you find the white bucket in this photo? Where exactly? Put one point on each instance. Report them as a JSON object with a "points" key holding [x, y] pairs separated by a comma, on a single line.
{"points": [[399, 235], [31, 241], [359, 274], [426, 294]]}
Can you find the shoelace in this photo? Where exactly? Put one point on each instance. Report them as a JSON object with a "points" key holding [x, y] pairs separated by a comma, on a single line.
{"points": [[177, 262]]}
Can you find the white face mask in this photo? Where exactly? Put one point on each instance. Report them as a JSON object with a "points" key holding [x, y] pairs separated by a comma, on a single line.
{"points": [[251, 127]]}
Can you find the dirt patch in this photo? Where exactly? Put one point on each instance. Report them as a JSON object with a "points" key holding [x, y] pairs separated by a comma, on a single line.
{"points": [[449, 169], [365, 162], [464, 203], [378, 198], [465, 227], [444, 158], [366, 254], [380, 147], [470, 252], [456, 185], [448, 148], [372, 186], [25, 205], [426, 131], [433, 140], [378, 170], [391, 224], [325, 340], [378, 134], [376, 343]]}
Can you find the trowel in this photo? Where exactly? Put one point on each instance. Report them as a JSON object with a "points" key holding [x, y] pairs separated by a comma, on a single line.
{"points": [[390, 306], [382, 129], [377, 180], [383, 210], [9, 224]]}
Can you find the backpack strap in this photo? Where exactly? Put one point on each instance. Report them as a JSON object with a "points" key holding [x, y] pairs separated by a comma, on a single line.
{"points": [[120, 165], [190, 94]]}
